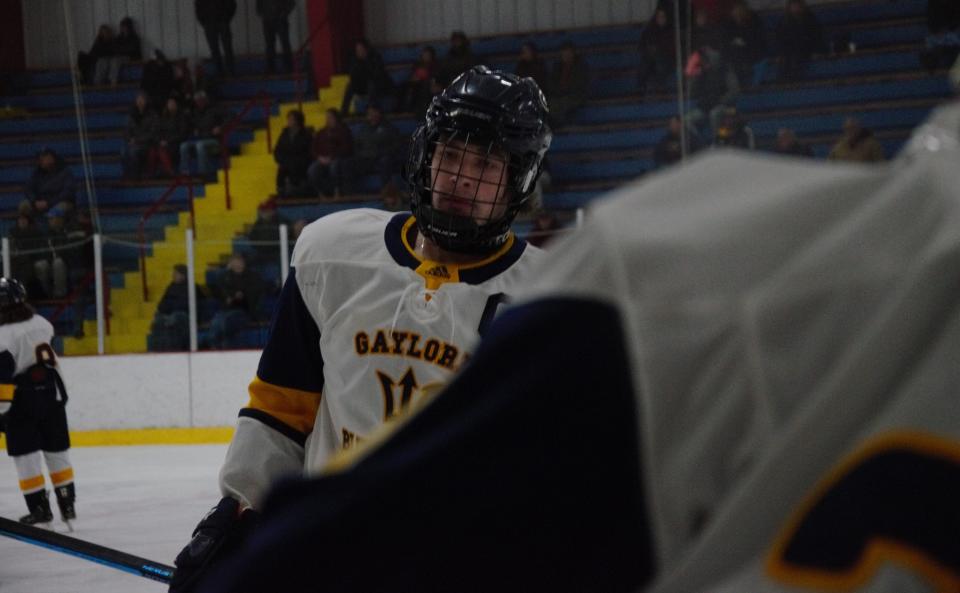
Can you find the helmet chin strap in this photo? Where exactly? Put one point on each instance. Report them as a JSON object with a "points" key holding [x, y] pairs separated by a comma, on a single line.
{"points": [[456, 233]]}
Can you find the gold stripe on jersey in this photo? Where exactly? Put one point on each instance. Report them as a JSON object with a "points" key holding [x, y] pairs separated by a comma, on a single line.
{"points": [[6, 391], [32, 484], [62, 476], [878, 550], [435, 274], [293, 407]]}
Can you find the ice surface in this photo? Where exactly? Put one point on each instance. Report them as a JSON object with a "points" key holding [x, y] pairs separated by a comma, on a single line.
{"points": [[143, 500]]}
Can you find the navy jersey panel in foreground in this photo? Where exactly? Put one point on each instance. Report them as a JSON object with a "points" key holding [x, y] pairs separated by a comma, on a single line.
{"points": [[292, 356], [523, 475]]}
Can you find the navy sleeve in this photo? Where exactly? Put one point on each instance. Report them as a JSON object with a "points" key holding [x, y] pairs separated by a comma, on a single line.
{"points": [[523, 475], [8, 366]]}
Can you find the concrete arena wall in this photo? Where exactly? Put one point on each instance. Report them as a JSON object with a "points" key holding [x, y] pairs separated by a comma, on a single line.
{"points": [[138, 391]]}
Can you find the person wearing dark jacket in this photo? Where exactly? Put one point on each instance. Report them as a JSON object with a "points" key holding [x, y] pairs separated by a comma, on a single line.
{"points": [[376, 147], [52, 183], [126, 48], [530, 64], [264, 235], [657, 51], [171, 131], [215, 16], [458, 60], [368, 78], [569, 83], [170, 330], [203, 136], [238, 290], [157, 80], [292, 154], [745, 45], [275, 15], [140, 136], [27, 264], [415, 93], [799, 36], [331, 145], [787, 144], [94, 65]]}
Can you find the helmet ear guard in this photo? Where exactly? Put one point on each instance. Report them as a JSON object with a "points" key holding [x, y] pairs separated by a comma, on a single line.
{"points": [[490, 112]]}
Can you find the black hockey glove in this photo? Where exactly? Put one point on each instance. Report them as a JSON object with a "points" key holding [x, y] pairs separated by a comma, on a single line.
{"points": [[220, 533]]}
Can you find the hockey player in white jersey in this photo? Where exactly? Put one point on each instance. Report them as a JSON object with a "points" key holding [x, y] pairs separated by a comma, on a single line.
{"points": [[379, 306], [32, 400], [740, 375]]}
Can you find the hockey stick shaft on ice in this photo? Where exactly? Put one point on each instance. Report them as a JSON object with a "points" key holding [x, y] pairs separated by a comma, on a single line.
{"points": [[86, 550]]}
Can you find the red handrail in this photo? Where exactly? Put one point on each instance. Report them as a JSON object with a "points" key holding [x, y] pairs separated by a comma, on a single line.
{"points": [[298, 60], [151, 210], [227, 129]]}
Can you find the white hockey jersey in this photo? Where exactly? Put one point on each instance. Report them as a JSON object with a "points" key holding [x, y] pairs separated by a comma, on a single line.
{"points": [[363, 326], [21, 346]]}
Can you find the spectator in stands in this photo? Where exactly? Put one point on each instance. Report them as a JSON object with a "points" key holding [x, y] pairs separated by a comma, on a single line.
{"points": [[369, 80], [170, 330], [376, 149], [140, 137], [275, 16], [182, 87], [458, 60], [94, 66], [203, 138], [126, 48], [26, 262], [669, 149], [415, 93], [51, 267], [51, 184], [331, 145], [706, 33], [657, 51], [732, 130], [744, 41], [530, 64], [157, 80], [799, 36], [858, 144], [292, 155], [568, 86], [238, 290], [788, 144], [545, 225], [171, 130], [215, 16], [713, 88], [264, 235]]}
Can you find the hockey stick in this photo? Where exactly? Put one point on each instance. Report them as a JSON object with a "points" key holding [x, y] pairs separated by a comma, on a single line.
{"points": [[86, 550]]}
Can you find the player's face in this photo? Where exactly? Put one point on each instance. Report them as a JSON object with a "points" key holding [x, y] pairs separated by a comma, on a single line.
{"points": [[469, 180]]}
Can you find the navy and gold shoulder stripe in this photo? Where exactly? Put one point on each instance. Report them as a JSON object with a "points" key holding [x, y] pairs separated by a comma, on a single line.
{"points": [[285, 394]]}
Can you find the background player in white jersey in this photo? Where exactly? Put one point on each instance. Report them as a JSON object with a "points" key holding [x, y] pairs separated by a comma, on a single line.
{"points": [[32, 400], [739, 375], [380, 305]]}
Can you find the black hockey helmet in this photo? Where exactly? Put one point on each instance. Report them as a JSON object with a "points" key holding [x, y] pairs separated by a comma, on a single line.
{"points": [[494, 113], [12, 293]]}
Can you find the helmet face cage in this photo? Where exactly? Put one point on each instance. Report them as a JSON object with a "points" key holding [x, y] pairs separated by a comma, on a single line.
{"points": [[472, 167]]}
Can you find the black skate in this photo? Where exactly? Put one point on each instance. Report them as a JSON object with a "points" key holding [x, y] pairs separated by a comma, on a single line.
{"points": [[39, 506], [66, 495]]}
